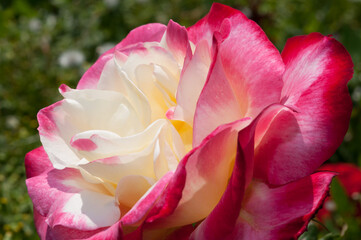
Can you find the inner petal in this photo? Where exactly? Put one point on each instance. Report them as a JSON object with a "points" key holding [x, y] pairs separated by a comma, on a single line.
{"points": [[131, 188]]}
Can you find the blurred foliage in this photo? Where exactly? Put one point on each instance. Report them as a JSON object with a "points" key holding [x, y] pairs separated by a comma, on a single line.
{"points": [[46, 43]]}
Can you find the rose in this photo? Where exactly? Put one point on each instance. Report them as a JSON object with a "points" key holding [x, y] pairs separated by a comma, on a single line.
{"points": [[202, 133], [350, 180]]}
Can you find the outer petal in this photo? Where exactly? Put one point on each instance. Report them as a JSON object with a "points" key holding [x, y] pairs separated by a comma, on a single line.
{"points": [[282, 212], [212, 22], [317, 70], [151, 32], [91, 77], [59, 232], [245, 78], [40, 224], [37, 162], [147, 33], [68, 201], [273, 213]]}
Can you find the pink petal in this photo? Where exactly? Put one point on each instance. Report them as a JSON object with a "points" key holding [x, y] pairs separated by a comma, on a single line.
{"points": [[51, 134], [40, 224], [317, 70], [282, 212], [177, 41], [91, 77], [246, 75], [151, 32], [216, 99], [37, 162], [270, 213], [147, 33], [205, 27], [67, 200], [59, 232]]}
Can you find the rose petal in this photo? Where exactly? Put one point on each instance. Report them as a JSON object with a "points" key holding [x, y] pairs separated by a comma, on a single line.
{"points": [[158, 151], [282, 212], [275, 213], [217, 99], [113, 78], [146, 33], [99, 144], [192, 80], [66, 199], [83, 110], [317, 70], [176, 40], [36, 162], [146, 202], [91, 77], [202, 174], [151, 32], [205, 27], [220, 222], [246, 75], [131, 188]]}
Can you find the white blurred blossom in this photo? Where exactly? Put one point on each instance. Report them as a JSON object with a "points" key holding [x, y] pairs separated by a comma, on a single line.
{"points": [[12, 122], [71, 58], [34, 24], [104, 47], [330, 205], [51, 21], [356, 95], [111, 3], [356, 196]]}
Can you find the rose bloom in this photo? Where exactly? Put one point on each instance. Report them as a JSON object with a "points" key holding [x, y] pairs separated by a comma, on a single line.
{"points": [[199, 133]]}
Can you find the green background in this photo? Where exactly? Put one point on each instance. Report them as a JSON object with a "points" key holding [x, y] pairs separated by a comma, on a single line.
{"points": [[35, 34]]}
